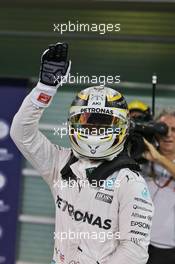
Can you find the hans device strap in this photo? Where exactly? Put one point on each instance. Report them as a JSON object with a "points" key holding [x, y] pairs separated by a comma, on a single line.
{"points": [[104, 170]]}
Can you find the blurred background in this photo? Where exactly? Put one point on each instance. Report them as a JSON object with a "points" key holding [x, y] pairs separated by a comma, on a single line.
{"points": [[144, 45]]}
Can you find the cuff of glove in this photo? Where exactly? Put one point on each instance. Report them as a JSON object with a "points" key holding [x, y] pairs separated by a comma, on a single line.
{"points": [[41, 95]]}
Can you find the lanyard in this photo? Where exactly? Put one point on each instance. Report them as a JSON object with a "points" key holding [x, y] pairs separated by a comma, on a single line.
{"points": [[154, 178]]}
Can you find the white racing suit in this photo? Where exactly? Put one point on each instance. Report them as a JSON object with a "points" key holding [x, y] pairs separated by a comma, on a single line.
{"points": [[93, 225]]}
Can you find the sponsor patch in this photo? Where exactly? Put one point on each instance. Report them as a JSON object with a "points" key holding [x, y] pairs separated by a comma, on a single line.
{"points": [[104, 197], [142, 201], [78, 215], [44, 98], [139, 233], [135, 206], [136, 240], [97, 110], [140, 224], [138, 215]]}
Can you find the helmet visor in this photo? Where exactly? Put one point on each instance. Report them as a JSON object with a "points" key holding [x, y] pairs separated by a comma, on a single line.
{"points": [[94, 123]]}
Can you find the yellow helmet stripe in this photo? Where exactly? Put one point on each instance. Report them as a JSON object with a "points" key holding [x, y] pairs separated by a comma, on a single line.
{"points": [[114, 98], [83, 96]]}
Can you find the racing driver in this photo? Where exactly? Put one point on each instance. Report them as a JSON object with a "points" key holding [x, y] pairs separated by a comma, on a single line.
{"points": [[104, 191]]}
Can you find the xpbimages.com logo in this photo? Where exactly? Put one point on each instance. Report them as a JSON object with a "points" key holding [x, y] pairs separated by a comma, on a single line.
{"points": [[101, 28], [86, 131], [108, 184], [100, 236], [88, 79]]}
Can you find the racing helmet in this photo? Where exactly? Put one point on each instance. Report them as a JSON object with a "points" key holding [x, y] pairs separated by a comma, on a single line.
{"points": [[140, 111], [98, 123]]}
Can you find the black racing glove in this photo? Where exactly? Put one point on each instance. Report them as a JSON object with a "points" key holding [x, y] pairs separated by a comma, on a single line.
{"points": [[54, 65], [53, 73]]}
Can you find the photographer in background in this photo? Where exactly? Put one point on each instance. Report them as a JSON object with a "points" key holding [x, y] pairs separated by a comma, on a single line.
{"points": [[160, 177], [161, 183], [139, 111]]}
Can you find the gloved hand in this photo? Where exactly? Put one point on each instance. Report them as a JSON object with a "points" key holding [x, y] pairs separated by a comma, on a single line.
{"points": [[54, 71], [54, 65]]}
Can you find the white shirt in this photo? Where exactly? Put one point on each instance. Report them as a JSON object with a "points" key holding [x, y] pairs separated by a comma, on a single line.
{"points": [[163, 228]]}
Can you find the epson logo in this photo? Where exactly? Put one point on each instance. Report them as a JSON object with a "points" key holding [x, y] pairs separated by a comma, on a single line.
{"points": [[104, 197], [97, 110], [140, 224]]}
